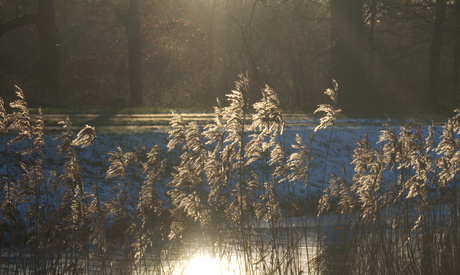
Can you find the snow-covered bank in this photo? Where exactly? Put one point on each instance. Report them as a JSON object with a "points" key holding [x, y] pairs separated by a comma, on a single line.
{"points": [[94, 159]]}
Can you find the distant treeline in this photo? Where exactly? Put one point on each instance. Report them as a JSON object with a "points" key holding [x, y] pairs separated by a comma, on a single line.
{"points": [[186, 53]]}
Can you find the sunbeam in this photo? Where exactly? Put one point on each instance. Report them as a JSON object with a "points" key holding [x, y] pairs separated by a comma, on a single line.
{"points": [[203, 266]]}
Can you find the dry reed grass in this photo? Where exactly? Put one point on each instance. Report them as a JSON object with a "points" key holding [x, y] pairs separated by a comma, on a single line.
{"points": [[231, 196]]}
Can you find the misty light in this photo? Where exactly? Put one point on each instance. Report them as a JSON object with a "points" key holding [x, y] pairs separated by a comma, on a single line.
{"points": [[203, 266]]}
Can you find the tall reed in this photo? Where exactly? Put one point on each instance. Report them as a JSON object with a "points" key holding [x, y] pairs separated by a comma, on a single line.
{"points": [[233, 194]]}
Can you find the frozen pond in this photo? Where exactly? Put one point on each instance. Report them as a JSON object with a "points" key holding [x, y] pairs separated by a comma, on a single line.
{"points": [[340, 146]]}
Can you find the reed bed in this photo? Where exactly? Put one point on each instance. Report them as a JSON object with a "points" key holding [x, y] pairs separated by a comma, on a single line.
{"points": [[230, 197]]}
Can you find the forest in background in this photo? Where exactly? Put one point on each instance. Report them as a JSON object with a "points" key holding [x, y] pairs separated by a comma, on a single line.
{"points": [[187, 53]]}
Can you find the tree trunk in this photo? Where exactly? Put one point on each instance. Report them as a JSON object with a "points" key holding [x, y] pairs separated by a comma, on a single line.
{"points": [[347, 51], [456, 67], [132, 25], [373, 15], [434, 89], [49, 54], [299, 80], [297, 55]]}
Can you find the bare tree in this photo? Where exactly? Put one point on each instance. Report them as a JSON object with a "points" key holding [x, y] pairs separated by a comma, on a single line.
{"points": [[456, 67], [131, 21], [435, 54], [347, 66]]}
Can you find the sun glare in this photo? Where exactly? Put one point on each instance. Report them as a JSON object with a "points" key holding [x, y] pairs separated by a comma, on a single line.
{"points": [[203, 266]]}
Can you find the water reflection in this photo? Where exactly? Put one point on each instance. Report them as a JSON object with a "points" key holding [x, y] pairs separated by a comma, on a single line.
{"points": [[203, 266], [262, 249], [286, 251]]}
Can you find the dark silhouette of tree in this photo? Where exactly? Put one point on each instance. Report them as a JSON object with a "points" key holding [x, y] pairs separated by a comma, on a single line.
{"points": [[347, 51], [435, 54], [131, 22], [372, 10], [49, 51], [298, 48], [128, 12], [456, 66], [49, 54]]}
